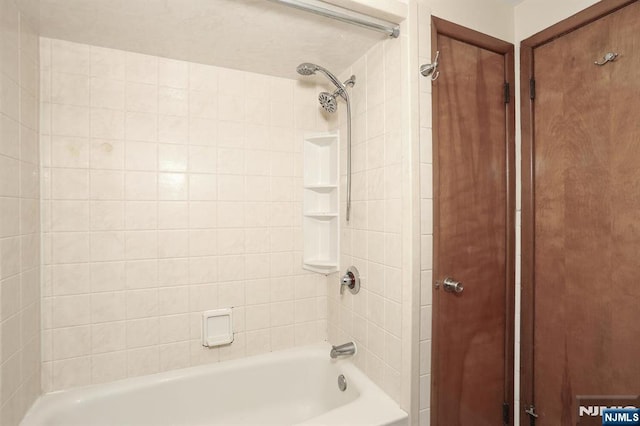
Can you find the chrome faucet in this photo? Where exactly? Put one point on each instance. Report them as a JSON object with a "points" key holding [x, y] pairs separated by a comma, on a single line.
{"points": [[343, 350]]}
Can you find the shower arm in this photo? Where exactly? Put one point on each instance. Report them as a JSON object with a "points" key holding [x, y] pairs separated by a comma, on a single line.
{"points": [[340, 91], [332, 77]]}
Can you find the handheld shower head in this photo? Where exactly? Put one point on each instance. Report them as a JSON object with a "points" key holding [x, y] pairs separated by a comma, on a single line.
{"points": [[307, 68]]}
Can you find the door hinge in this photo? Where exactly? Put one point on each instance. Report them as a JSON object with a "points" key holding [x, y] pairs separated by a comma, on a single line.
{"points": [[505, 413], [532, 89], [507, 93], [531, 411]]}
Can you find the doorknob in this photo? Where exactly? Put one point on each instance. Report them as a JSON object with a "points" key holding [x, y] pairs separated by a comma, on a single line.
{"points": [[452, 286]]}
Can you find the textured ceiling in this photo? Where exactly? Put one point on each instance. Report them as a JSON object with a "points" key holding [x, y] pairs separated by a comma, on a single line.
{"points": [[252, 35]]}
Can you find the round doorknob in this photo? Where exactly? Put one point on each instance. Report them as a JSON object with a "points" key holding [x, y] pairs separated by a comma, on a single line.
{"points": [[452, 286]]}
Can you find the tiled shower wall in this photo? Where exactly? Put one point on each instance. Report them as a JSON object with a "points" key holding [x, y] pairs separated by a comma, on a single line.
{"points": [[169, 188], [19, 216], [371, 241], [426, 217]]}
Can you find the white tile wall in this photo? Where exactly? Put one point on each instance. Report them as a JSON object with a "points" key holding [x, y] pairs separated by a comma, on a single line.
{"points": [[426, 216], [372, 239], [19, 216], [169, 188]]}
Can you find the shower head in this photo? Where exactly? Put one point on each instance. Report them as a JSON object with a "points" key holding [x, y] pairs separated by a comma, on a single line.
{"points": [[307, 68], [328, 101]]}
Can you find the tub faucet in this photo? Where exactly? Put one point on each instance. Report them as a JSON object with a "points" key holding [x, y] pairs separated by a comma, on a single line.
{"points": [[343, 350]]}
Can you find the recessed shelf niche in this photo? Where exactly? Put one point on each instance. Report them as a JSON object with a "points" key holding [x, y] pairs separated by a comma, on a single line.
{"points": [[321, 207]]}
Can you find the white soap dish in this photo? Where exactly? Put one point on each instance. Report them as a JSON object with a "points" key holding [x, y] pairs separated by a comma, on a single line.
{"points": [[217, 327]]}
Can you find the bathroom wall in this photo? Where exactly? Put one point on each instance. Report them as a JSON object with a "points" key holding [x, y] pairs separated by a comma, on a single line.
{"points": [[493, 17], [496, 19], [372, 239], [169, 188], [19, 216], [532, 16]]}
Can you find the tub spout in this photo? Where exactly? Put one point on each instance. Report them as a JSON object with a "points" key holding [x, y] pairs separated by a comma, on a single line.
{"points": [[343, 350]]}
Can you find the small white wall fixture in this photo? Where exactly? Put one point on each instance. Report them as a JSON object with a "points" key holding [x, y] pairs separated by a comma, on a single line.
{"points": [[321, 202], [217, 327]]}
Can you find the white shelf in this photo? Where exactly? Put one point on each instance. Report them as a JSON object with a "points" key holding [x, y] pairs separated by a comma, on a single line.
{"points": [[321, 263], [321, 188], [323, 267], [320, 166], [321, 216], [316, 200]]}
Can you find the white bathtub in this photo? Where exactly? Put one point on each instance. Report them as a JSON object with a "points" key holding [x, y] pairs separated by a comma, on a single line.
{"points": [[292, 387]]}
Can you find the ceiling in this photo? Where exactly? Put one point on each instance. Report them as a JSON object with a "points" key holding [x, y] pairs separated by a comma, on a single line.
{"points": [[253, 35]]}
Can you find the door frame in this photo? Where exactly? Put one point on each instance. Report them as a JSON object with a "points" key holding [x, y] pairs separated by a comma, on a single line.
{"points": [[449, 29], [527, 108]]}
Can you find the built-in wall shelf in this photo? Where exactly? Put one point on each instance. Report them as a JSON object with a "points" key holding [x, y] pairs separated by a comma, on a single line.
{"points": [[321, 215], [320, 204], [318, 263], [321, 188]]}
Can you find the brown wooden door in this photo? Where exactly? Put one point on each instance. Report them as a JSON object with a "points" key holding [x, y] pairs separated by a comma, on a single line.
{"points": [[473, 232], [582, 278]]}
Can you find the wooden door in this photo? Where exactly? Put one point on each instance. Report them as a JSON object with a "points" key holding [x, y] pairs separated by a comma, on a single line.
{"points": [[473, 229], [581, 247]]}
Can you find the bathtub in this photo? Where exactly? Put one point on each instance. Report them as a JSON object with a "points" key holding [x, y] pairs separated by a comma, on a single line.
{"points": [[293, 387]]}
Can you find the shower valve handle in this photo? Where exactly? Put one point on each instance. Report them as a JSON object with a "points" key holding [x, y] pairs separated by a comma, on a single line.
{"points": [[350, 280]]}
